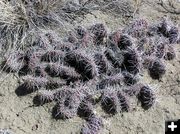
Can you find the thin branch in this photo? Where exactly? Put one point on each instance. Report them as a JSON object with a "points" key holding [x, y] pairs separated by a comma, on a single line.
{"points": [[169, 8]]}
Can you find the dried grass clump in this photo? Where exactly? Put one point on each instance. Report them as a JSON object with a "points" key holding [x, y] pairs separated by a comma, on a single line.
{"points": [[123, 8], [169, 6], [21, 20], [13, 62]]}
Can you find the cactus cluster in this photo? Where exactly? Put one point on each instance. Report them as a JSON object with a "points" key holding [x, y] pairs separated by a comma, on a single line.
{"points": [[95, 67]]}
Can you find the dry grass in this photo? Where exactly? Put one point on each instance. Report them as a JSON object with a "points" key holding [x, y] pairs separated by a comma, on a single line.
{"points": [[166, 6]]}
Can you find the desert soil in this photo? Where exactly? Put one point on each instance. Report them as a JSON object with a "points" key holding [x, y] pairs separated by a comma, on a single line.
{"points": [[19, 116]]}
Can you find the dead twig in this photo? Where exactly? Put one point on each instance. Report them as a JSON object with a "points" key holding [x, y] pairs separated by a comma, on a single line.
{"points": [[169, 7]]}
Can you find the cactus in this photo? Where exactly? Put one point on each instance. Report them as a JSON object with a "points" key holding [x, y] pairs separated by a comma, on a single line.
{"points": [[102, 63], [43, 96], [125, 41], [115, 58], [110, 102], [174, 35], [99, 33], [53, 56], [64, 72], [30, 84], [123, 101], [147, 97], [117, 79], [68, 101], [156, 69], [131, 61], [85, 109], [170, 53], [137, 28], [92, 126], [82, 64], [129, 79]]}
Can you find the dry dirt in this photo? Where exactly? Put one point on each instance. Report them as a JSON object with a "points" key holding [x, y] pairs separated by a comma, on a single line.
{"points": [[18, 114]]}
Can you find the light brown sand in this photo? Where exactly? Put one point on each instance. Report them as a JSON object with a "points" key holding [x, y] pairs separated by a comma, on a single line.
{"points": [[18, 115]]}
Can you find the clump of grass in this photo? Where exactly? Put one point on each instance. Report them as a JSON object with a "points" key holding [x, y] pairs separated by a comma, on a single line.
{"points": [[13, 62], [21, 19], [123, 9]]}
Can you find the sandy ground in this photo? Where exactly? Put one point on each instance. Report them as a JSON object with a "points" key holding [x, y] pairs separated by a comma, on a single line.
{"points": [[18, 114]]}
